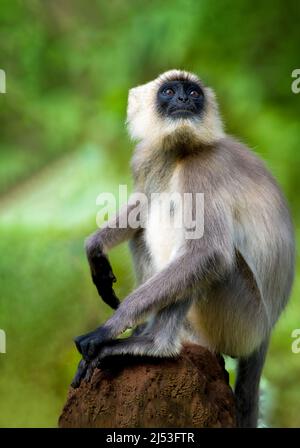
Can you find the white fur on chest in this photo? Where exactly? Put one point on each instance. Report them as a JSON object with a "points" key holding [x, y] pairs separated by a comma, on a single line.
{"points": [[164, 230]]}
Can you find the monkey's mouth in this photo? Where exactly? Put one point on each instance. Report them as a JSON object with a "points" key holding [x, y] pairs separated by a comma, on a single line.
{"points": [[181, 113]]}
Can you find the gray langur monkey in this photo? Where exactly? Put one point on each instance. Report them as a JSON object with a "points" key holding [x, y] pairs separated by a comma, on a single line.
{"points": [[224, 290]]}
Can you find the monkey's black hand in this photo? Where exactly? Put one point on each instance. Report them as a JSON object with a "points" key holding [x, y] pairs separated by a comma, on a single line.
{"points": [[85, 371], [86, 368], [80, 373], [89, 344], [103, 278]]}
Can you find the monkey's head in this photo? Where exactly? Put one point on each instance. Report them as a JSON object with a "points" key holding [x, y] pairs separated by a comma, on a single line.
{"points": [[175, 104]]}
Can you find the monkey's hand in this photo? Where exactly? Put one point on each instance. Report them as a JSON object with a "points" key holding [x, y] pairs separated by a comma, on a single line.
{"points": [[85, 371], [89, 346], [103, 278], [112, 347]]}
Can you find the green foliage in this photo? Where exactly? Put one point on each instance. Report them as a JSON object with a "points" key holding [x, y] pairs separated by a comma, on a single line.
{"points": [[69, 66]]}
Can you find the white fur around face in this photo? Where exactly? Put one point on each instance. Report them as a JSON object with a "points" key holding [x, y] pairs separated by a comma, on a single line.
{"points": [[144, 122]]}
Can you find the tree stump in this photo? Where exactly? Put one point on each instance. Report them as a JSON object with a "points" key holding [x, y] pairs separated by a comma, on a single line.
{"points": [[191, 391]]}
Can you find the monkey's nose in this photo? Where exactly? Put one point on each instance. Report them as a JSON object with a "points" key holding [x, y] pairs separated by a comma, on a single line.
{"points": [[182, 99]]}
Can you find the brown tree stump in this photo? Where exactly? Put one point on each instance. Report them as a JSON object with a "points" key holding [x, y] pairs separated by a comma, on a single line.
{"points": [[137, 392]]}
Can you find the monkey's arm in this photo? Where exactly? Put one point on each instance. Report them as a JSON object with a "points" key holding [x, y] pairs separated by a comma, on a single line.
{"points": [[203, 259], [97, 245]]}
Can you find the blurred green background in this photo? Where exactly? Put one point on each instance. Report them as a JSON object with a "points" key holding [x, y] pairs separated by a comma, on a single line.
{"points": [[69, 65]]}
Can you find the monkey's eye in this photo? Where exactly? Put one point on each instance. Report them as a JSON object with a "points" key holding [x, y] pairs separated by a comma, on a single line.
{"points": [[168, 92], [194, 94]]}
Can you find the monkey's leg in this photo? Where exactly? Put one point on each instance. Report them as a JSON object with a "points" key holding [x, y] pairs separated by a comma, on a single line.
{"points": [[247, 387], [164, 288], [160, 338], [143, 267], [202, 259]]}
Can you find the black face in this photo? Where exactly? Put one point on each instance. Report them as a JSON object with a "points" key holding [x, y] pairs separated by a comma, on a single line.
{"points": [[180, 99]]}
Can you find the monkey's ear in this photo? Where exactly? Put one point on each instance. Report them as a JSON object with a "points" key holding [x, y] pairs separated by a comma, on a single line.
{"points": [[138, 96], [140, 102], [134, 99], [211, 96], [133, 109]]}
